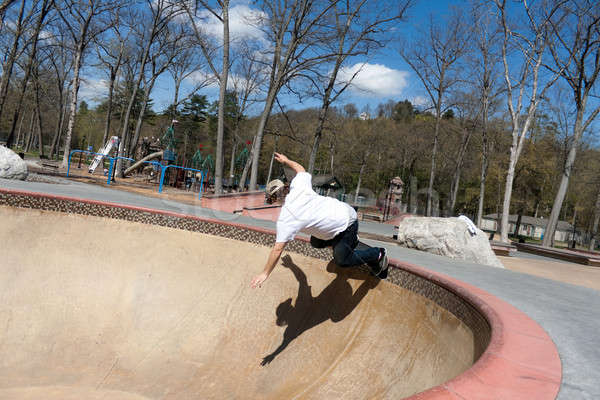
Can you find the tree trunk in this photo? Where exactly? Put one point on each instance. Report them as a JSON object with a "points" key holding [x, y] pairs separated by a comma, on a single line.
{"points": [[59, 124], [27, 143], [484, 162], [7, 67], [564, 181], [56, 144], [318, 134], [124, 143], [19, 130], [140, 119], [222, 93], [259, 137], [39, 116], [28, 70], [596, 223], [456, 178], [232, 163], [73, 105], [510, 177], [244, 177], [360, 174], [272, 158], [111, 88], [332, 153], [432, 173]]}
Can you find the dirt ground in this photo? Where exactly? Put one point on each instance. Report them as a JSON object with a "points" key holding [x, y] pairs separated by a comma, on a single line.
{"points": [[574, 274]]}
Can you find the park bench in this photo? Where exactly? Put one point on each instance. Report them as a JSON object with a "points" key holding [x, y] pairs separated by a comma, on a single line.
{"points": [[48, 165], [372, 217]]}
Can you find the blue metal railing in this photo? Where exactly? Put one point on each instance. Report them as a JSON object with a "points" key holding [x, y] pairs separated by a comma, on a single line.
{"points": [[110, 168], [163, 168]]}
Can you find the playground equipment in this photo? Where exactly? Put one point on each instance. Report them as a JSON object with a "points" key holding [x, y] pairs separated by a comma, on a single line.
{"points": [[163, 168], [113, 142], [100, 156], [169, 141], [142, 161]]}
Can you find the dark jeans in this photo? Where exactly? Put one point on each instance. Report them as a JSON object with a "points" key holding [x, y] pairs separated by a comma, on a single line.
{"points": [[344, 244]]}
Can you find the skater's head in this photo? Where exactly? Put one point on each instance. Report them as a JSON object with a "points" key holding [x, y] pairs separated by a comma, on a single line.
{"points": [[275, 191], [283, 311]]}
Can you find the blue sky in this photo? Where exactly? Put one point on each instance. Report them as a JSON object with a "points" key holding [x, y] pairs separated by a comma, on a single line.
{"points": [[385, 76]]}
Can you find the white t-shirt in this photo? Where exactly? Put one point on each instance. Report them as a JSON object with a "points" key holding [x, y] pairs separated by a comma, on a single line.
{"points": [[304, 210]]}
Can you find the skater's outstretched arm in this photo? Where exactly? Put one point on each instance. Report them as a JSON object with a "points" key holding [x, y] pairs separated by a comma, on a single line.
{"points": [[271, 263], [292, 164]]}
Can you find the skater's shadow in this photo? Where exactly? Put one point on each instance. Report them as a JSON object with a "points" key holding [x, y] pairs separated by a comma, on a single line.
{"points": [[335, 302]]}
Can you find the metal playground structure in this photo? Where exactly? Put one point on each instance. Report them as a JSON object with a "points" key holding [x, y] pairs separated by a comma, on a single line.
{"points": [[98, 157]]}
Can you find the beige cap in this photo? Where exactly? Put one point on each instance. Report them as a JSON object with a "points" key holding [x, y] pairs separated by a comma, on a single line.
{"points": [[274, 186]]}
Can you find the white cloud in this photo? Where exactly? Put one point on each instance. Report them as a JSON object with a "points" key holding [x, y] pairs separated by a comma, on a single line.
{"points": [[374, 80], [420, 101], [244, 22], [93, 90]]}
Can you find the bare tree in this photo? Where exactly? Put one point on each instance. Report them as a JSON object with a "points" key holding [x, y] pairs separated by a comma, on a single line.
{"points": [[575, 50], [112, 52], [169, 44], [5, 5], [221, 13], [42, 10], [485, 62], [468, 114], [435, 58], [246, 80], [161, 14], [11, 56], [185, 64], [60, 57], [82, 22], [531, 44], [359, 28], [292, 28]]}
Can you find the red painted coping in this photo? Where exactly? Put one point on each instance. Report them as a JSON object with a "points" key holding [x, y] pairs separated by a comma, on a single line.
{"points": [[520, 362]]}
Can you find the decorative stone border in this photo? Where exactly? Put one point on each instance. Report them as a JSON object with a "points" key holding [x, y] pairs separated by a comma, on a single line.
{"points": [[515, 357]]}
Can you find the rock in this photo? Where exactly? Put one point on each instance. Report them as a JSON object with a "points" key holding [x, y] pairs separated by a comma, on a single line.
{"points": [[448, 237], [11, 165]]}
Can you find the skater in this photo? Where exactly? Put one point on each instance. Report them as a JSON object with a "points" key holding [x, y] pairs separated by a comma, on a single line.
{"points": [[330, 222]]}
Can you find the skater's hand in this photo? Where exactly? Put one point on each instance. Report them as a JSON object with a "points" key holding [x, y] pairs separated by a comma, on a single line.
{"points": [[292, 164], [258, 280], [281, 158]]}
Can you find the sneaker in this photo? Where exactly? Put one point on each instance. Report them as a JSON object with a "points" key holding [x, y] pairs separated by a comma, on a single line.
{"points": [[381, 269]]}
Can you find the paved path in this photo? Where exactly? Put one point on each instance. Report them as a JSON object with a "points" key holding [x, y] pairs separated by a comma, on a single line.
{"points": [[570, 314]]}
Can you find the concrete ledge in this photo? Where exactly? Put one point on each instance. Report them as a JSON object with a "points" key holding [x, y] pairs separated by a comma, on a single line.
{"points": [[516, 359]]}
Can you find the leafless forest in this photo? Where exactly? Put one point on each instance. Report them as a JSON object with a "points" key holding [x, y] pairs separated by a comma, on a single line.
{"points": [[508, 125]]}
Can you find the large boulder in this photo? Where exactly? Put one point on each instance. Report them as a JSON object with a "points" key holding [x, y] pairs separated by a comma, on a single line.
{"points": [[452, 237], [11, 165]]}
